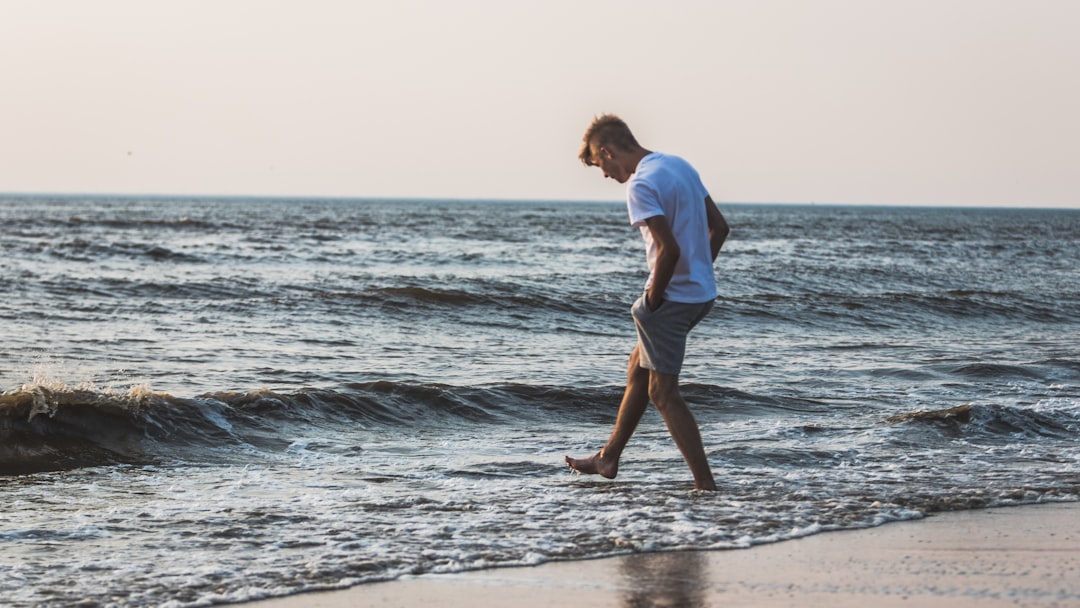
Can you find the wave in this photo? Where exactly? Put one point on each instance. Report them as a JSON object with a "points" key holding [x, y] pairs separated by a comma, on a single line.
{"points": [[54, 427], [87, 250], [509, 299], [892, 310], [484, 301], [993, 423], [49, 426], [37, 226]]}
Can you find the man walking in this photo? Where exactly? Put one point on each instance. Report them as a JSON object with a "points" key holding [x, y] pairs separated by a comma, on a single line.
{"points": [[683, 231]]}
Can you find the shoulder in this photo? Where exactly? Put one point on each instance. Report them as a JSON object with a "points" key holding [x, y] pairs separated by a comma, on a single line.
{"points": [[678, 164], [652, 162], [658, 165]]}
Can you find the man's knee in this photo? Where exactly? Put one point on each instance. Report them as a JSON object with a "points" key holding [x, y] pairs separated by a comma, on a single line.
{"points": [[663, 390]]}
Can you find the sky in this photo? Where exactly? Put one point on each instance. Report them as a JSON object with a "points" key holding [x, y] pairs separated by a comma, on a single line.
{"points": [[912, 102]]}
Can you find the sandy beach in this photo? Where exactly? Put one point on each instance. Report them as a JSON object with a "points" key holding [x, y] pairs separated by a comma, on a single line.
{"points": [[1009, 556]]}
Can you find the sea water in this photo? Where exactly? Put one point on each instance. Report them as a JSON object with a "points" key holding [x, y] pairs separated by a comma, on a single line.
{"points": [[209, 400]]}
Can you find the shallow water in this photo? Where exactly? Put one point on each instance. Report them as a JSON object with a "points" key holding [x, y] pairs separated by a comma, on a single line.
{"points": [[219, 400]]}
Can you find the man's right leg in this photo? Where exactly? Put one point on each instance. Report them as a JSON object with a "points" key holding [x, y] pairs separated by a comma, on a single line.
{"points": [[664, 392], [635, 401]]}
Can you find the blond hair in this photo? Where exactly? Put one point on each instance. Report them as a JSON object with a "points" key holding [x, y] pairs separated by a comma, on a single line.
{"points": [[606, 130]]}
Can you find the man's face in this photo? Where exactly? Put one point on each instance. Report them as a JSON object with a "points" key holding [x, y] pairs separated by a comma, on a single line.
{"points": [[608, 160]]}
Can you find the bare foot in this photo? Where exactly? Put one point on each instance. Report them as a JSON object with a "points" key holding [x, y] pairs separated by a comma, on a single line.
{"points": [[595, 464]]}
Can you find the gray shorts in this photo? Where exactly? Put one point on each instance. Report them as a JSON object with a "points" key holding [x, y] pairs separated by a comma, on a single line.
{"points": [[662, 332]]}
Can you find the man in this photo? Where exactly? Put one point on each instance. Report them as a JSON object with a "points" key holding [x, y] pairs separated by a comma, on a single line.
{"points": [[683, 231]]}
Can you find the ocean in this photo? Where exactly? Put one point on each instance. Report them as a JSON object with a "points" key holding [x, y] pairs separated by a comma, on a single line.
{"points": [[210, 400]]}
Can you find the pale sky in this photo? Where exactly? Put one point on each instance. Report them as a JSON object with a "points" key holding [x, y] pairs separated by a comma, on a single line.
{"points": [[913, 102]]}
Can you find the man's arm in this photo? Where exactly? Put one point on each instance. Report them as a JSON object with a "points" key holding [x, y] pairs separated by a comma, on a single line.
{"points": [[718, 227], [667, 254]]}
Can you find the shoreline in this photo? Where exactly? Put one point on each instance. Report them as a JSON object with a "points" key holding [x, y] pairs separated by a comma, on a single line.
{"points": [[1026, 555]]}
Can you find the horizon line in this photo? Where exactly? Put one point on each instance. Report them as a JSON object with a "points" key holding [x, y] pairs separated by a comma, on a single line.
{"points": [[515, 200]]}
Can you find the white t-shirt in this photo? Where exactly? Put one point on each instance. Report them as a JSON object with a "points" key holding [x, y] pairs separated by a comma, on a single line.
{"points": [[667, 185]]}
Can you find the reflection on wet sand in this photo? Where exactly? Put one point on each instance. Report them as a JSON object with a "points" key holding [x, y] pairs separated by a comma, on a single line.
{"points": [[669, 579]]}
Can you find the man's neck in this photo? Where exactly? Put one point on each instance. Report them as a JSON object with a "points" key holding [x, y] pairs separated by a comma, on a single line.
{"points": [[633, 158]]}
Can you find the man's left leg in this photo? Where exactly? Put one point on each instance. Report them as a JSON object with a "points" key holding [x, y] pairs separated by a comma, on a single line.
{"points": [[633, 405], [665, 395]]}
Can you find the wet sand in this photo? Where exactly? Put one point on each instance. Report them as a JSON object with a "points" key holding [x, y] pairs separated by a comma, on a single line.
{"points": [[1010, 556]]}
